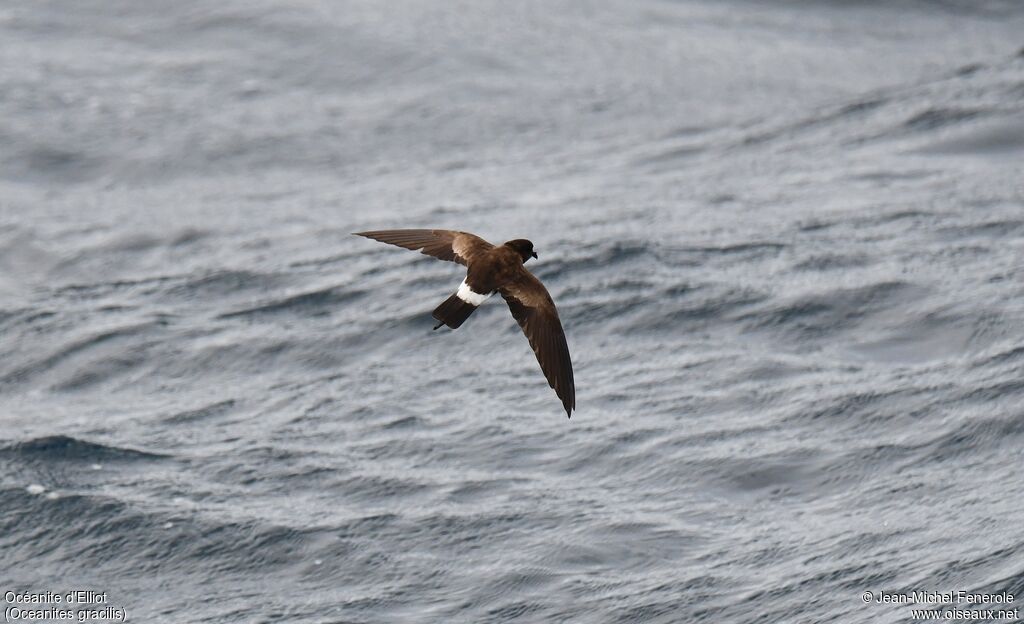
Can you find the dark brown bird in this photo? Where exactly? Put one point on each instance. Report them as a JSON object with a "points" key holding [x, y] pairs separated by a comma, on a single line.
{"points": [[491, 269]]}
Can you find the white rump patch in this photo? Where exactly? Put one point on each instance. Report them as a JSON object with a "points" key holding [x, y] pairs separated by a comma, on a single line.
{"points": [[466, 294]]}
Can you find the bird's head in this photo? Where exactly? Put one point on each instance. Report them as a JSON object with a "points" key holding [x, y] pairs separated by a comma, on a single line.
{"points": [[523, 247]]}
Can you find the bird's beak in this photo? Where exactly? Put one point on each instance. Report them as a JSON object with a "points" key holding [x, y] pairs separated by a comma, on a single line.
{"points": [[534, 254]]}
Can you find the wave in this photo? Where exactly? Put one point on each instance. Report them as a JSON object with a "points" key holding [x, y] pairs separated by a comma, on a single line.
{"points": [[317, 302], [61, 448], [126, 537], [110, 348]]}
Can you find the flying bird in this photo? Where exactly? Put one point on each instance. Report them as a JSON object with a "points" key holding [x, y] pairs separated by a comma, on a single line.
{"points": [[497, 268]]}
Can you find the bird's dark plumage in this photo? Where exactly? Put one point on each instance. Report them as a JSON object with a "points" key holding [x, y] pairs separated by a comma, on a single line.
{"points": [[491, 269], [449, 245]]}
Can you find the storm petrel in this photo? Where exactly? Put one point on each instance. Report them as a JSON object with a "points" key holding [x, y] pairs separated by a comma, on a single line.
{"points": [[491, 269]]}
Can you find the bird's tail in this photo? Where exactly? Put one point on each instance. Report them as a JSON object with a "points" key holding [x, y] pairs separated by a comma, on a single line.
{"points": [[453, 312]]}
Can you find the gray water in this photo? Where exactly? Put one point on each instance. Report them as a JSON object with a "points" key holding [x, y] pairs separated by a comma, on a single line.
{"points": [[785, 239]]}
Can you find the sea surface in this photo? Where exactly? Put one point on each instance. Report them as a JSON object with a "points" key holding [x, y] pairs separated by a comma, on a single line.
{"points": [[786, 240]]}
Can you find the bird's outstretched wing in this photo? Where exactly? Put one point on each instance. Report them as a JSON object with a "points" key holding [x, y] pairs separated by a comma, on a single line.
{"points": [[449, 245], [533, 309]]}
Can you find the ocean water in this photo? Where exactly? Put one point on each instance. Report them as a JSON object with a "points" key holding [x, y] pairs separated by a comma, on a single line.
{"points": [[786, 240]]}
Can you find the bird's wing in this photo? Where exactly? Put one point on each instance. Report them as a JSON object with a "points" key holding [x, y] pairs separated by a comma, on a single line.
{"points": [[449, 245], [533, 309]]}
